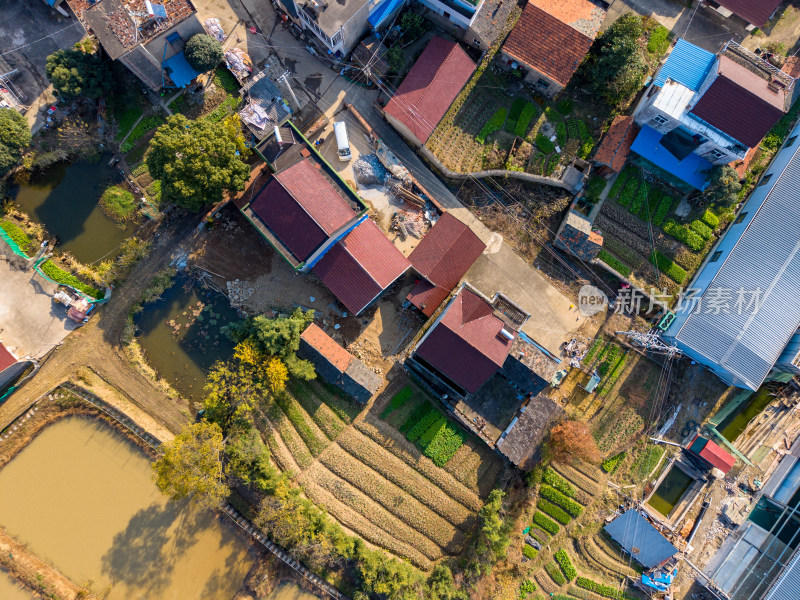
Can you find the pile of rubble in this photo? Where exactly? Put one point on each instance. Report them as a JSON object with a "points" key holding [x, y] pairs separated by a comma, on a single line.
{"points": [[368, 170], [239, 293]]}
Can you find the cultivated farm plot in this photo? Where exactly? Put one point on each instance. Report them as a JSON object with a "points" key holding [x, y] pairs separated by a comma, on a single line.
{"points": [[368, 476]]}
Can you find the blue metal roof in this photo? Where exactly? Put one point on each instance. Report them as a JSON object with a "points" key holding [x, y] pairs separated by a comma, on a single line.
{"points": [[180, 71], [159, 10], [687, 64], [383, 11], [693, 169], [640, 539]]}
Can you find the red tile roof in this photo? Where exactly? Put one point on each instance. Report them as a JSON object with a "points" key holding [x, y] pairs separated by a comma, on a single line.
{"points": [[792, 66], [578, 14], [466, 345], [547, 45], [616, 144], [442, 257], [712, 453], [327, 347], [739, 103], [293, 226], [6, 358], [430, 87], [312, 190], [302, 208], [361, 266], [756, 12]]}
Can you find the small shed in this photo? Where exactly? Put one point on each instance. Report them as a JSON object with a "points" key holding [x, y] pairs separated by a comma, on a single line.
{"points": [[337, 366], [522, 438], [711, 454], [575, 236], [640, 539], [612, 153]]}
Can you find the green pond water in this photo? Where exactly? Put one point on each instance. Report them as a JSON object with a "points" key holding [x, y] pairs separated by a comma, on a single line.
{"points": [[11, 590], [65, 200], [82, 497], [180, 334], [735, 423], [670, 491]]}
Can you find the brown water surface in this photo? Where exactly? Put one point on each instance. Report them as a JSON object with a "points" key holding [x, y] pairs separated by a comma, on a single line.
{"points": [[10, 590], [82, 497]]}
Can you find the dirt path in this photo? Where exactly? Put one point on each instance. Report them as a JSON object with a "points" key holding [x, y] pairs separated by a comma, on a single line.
{"points": [[97, 346]]}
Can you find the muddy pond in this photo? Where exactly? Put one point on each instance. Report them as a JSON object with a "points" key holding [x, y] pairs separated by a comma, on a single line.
{"points": [[10, 590], [181, 335], [735, 423], [671, 490], [65, 199], [82, 497]]}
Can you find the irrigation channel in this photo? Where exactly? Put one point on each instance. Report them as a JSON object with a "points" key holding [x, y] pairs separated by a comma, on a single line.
{"points": [[10, 590], [82, 497], [65, 199], [181, 334], [734, 424], [670, 491]]}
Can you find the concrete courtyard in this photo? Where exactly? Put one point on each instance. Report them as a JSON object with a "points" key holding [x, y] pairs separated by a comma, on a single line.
{"points": [[31, 323]]}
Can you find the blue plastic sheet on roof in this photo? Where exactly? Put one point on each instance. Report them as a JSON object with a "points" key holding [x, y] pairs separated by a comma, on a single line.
{"points": [[693, 169], [383, 12], [159, 10], [687, 64], [640, 539], [180, 71], [660, 581]]}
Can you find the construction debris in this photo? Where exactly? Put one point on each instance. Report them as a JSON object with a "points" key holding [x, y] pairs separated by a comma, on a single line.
{"points": [[368, 170], [214, 29], [239, 63]]}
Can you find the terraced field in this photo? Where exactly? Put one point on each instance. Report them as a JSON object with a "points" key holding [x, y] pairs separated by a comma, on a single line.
{"points": [[375, 482]]}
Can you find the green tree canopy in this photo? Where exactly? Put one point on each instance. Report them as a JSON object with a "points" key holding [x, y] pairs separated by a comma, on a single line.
{"points": [[75, 73], [277, 337], [191, 466], [248, 461], [619, 66], [197, 161], [723, 185], [203, 52], [14, 136]]}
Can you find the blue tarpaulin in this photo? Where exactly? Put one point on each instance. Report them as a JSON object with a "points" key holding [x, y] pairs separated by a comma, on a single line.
{"points": [[640, 539], [660, 581], [180, 71], [693, 169], [687, 64], [383, 11]]}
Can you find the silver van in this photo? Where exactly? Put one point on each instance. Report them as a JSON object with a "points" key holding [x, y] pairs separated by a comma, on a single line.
{"points": [[342, 143]]}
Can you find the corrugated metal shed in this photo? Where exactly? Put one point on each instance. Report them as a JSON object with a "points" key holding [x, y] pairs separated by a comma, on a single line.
{"points": [[640, 539], [742, 346], [788, 585], [687, 64]]}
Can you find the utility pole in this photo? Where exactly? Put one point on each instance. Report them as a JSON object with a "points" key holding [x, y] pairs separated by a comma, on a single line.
{"points": [[650, 341], [285, 79]]}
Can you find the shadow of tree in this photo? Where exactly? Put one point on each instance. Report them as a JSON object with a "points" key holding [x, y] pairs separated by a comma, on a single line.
{"points": [[144, 553]]}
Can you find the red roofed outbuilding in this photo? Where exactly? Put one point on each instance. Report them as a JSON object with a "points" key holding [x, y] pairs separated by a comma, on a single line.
{"points": [[551, 39], [359, 267], [467, 345], [443, 256], [755, 12], [616, 144], [427, 92], [711, 453]]}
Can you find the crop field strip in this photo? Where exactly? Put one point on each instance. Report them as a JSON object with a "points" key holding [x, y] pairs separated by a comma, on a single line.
{"points": [[404, 506], [294, 442], [313, 437], [390, 439], [578, 479], [363, 449], [339, 499], [596, 561]]}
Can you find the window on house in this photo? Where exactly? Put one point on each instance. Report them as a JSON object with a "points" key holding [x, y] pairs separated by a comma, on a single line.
{"points": [[476, 41], [765, 179], [337, 37], [740, 218], [542, 83], [790, 141], [715, 256], [660, 120], [446, 15], [716, 154]]}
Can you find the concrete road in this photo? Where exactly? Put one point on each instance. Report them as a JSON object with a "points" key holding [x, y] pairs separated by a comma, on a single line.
{"points": [[701, 26], [29, 33]]}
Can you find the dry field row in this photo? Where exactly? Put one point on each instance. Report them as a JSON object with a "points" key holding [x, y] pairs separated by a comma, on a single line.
{"points": [[363, 449], [290, 437], [349, 506], [577, 478], [404, 506]]}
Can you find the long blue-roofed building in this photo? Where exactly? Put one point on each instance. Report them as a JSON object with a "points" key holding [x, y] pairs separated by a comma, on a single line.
{"points": [[743, 315], [704, 109]]}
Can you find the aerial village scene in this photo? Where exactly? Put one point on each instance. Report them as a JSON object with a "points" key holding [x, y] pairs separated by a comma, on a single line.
{"points": [[400, 299]]}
